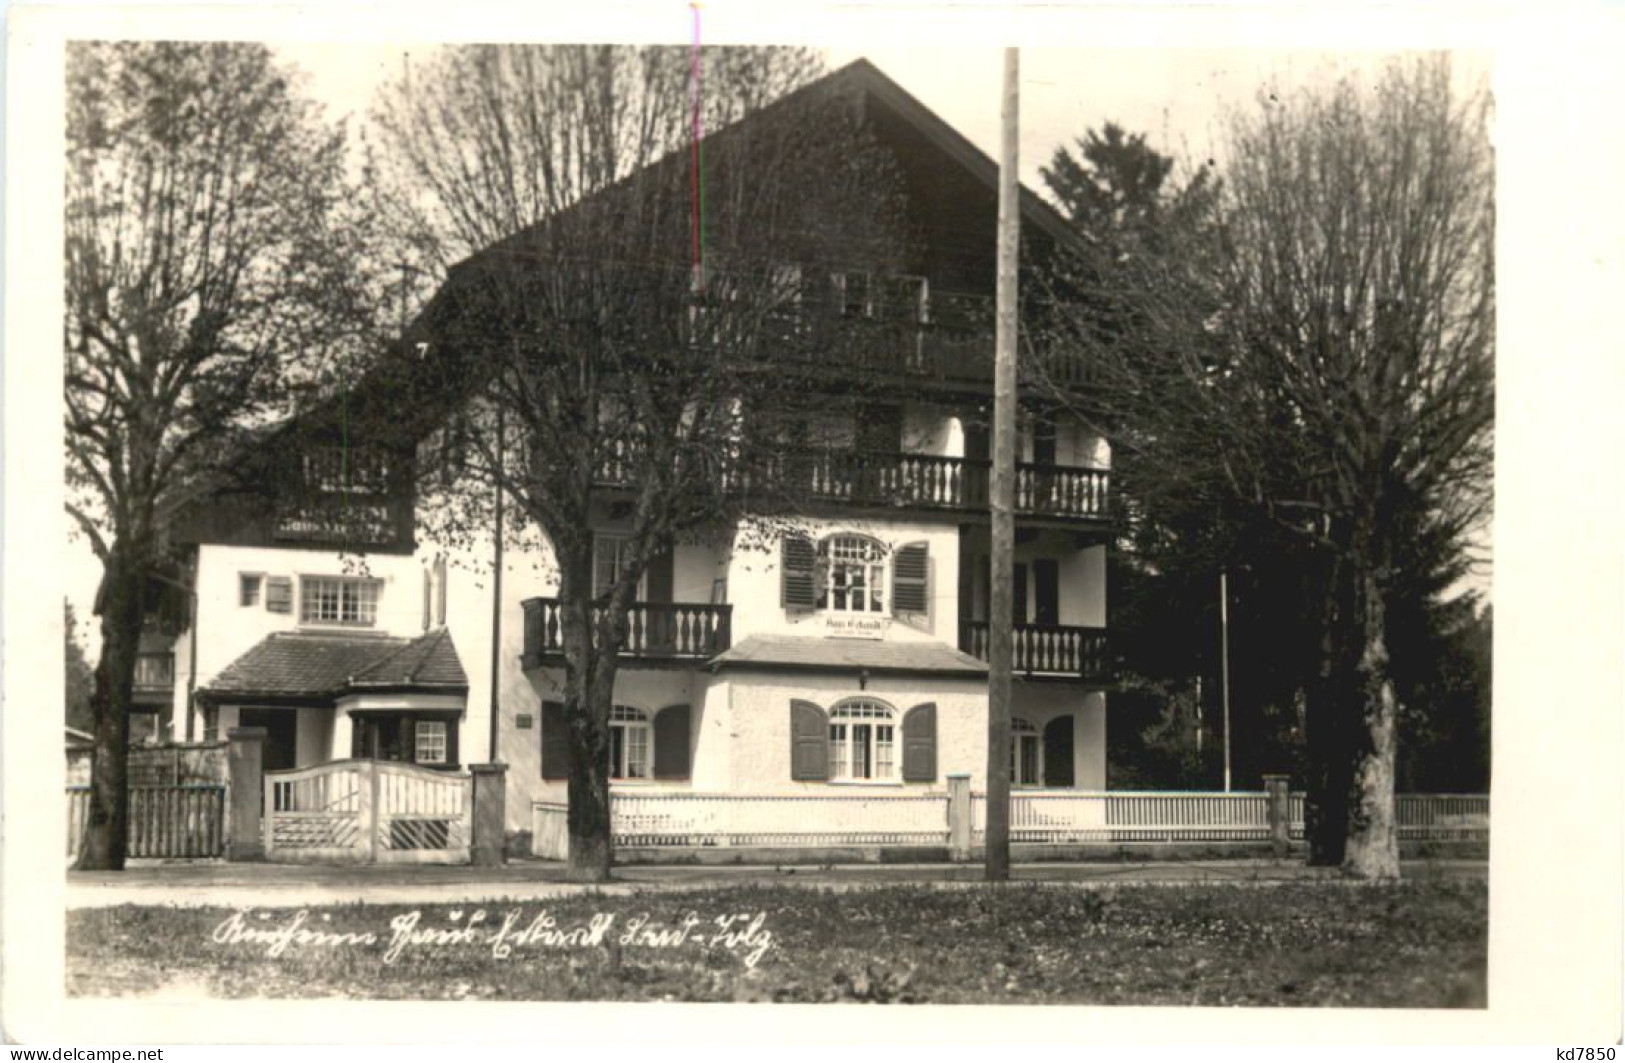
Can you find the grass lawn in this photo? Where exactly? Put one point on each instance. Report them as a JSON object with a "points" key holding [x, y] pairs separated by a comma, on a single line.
{"points": [[1412, 944]]}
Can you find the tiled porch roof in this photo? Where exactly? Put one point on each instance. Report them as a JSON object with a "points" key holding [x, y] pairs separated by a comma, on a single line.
{"points": [[879, 657], [320, 667]]}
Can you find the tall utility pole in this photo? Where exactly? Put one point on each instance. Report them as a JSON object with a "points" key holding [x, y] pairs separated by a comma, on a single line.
{"points": [[1224, 666], [1001, 606]]}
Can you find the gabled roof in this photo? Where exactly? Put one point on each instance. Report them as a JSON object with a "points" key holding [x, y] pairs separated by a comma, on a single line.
{"points": [[796, 653], [317, 668], [429, 661], [857, 77]]}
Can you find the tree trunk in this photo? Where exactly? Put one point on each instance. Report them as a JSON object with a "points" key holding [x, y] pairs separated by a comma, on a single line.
{"points": [[107, 824], [1372, 849], [589, 680]]}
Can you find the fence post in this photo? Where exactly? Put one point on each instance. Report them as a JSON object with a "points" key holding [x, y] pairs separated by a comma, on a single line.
{"points": [[1279, 792], [959, 817], [245, 771], [490, 815]]}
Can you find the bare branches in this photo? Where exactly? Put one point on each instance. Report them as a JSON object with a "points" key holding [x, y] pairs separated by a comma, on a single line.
{"points": [[212, 271]]}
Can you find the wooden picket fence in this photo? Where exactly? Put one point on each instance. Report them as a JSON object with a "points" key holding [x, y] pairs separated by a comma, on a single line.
{"points": [[166, 822], [369, 811], [678, 818]]}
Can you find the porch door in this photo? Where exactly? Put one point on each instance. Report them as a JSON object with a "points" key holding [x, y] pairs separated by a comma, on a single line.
{"points": [[281, 735]]}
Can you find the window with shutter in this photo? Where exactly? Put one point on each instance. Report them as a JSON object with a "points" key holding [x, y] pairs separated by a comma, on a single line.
{"points": [[920, 743], [911, 584], [809, 742], [797, 560]]}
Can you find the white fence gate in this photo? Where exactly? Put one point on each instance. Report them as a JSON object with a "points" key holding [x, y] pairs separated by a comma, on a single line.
{"points": [[368, 811]]}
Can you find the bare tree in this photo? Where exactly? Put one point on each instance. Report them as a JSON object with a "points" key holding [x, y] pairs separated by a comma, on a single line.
{"points": [[210, 287], [1320, 355], [647, 234]]}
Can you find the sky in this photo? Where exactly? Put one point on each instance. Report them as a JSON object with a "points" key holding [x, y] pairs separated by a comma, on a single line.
{"points": [[1176, 96]]}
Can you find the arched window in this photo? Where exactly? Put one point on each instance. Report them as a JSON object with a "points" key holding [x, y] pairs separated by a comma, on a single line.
{"points": [[628, 743], [853, 574], [1026, 753], [863, 741]]}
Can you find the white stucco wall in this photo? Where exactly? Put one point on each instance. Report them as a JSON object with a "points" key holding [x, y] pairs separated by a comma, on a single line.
{"points": [[1082, 575], [1041, 702], [229, 629]]}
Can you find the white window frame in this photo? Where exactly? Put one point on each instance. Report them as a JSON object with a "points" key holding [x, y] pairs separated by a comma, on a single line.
{"points": [[631, 754], [365, 611], [835, 574], [438, 745], [1023, 733], [866, 732], [257, 599], [602, 545]]}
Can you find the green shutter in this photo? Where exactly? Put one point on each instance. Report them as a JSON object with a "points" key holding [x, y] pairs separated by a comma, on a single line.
{"points": [[809, 742], [658, 578], [920, 743], [911, 580], [1058, 752], [1046, 591], [798, 559], [555, 741], [671, 731]]}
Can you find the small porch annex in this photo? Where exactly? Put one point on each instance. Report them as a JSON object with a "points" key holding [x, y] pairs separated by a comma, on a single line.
{"points": [[332, 696]]}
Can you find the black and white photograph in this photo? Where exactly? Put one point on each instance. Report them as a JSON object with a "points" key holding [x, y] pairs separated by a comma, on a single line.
{"points": [[727, 513]]}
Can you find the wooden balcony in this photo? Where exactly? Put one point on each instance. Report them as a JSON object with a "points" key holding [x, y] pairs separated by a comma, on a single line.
{"points": [[659, 634], [1046, 650], [1060, 493], [952, 347]]}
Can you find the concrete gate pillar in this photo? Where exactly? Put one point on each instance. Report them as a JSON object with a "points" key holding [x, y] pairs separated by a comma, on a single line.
{"points": [[246, 772]]}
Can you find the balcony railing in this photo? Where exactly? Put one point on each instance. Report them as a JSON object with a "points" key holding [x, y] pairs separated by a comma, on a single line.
{"points": [[154, 671], [917, 481], [953, 345], [655, 630], [1045, 649]]}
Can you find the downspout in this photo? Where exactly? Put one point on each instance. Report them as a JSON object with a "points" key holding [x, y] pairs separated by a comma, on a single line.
{"points": [[496, 602], [191, 651]]}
